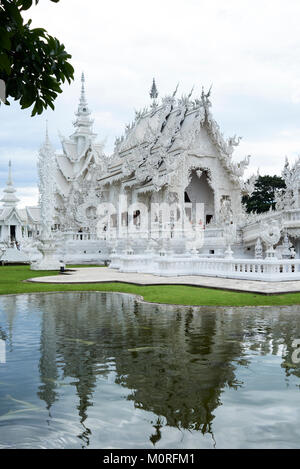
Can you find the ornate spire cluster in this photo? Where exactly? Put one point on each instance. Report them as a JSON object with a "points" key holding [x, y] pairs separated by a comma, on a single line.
{"points": [[46, 171], [83, 122], [9, 199]]}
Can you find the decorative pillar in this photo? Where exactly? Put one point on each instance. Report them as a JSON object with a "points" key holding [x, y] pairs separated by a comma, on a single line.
{"points": [[47, 244]]}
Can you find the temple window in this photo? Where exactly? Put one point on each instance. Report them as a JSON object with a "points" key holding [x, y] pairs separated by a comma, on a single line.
{"points": [[208, 219], [136, 217]]}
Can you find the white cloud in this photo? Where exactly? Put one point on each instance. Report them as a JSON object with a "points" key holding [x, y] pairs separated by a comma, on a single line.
{"points": [[28, 196], [249, 51]]}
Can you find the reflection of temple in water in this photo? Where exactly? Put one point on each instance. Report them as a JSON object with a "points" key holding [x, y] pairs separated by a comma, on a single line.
{"points": [[10, 305], [176, 362]]}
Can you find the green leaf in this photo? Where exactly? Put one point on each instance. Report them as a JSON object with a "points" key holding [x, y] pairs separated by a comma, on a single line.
{"points": [[33, 64], [24, 4], [4, 39], [5, 63], [38, 108], [39, 31]]}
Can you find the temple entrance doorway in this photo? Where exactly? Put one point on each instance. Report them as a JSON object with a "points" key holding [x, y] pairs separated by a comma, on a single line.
{"points": [[12, 233], [199, 191]]}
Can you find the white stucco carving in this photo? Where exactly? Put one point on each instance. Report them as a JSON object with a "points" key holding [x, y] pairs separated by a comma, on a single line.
{"points": [[172, 153]]}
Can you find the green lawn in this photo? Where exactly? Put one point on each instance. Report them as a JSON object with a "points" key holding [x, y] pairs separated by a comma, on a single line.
{"points": [[82, 265], [11, 281]]}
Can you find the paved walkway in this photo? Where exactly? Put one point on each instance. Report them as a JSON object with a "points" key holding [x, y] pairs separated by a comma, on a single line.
{"points": [[106, 275]]}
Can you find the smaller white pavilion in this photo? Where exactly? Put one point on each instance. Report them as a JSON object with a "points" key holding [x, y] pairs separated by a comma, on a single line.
{"points": [[16, 225]]}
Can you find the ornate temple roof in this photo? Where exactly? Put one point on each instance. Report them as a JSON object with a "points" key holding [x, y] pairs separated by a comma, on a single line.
{"points": [[7, 213], [160, 137], [33, 214], [80, 149]]}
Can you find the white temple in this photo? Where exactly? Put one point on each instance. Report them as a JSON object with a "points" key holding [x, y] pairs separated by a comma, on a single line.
{"points": [[167, 201], [173, 153]]}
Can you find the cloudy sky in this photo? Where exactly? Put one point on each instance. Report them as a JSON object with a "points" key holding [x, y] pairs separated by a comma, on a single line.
{"points": [[248, 50]]}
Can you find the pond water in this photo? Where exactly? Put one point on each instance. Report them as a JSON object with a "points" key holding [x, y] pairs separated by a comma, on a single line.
{"points": [[102, 370]]}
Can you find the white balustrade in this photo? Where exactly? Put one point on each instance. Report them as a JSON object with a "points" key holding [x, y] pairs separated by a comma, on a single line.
{"points": [[249, 269], [79, 236]]}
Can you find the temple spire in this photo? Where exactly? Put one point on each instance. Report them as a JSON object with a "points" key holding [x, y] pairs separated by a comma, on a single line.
{"points": [[83, 104], [83, 100], [153, 91], [47, 141], [9, 181], [153, 94], [83, 122], [47, 144], [9, 199]]}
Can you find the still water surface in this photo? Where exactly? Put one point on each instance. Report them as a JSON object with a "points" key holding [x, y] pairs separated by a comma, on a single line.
{"points": [[100, 370]]}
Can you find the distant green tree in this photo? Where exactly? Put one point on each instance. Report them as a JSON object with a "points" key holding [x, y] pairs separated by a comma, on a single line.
{"points": [[33, 64], [263, 196]]}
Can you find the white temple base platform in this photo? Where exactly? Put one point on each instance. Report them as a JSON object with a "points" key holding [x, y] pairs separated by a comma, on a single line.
{"points": [[41, 265], [268, 270], [14, 256], [106, 275], [78, 249], [49, 260]]}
